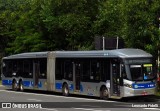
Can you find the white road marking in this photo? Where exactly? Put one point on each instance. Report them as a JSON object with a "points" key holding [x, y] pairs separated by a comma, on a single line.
{"points": [[57, 96], [86, 109], [152, 108], [49, 109], [34, 100], [91, 106]]}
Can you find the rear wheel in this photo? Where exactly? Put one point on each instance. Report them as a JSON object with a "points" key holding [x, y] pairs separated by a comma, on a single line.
{"points": [[14, 85], [21, 88], [65, 90], [104, 93]]}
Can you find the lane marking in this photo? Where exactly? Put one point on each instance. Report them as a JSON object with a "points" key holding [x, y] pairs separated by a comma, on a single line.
{"points": [[91, 106], [86, 109], [34, 100], [57, 96], [49, 109], [152, 108]]}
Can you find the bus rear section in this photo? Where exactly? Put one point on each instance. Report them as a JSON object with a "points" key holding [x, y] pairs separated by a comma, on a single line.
{"points": [[25, 71]]}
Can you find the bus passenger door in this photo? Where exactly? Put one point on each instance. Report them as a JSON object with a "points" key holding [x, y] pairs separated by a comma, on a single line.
{"points": [[36, 71], [76, 75], [115, 77]]}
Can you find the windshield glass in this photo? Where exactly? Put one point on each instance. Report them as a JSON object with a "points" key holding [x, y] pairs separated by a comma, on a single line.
{"points": [[141, 72]]}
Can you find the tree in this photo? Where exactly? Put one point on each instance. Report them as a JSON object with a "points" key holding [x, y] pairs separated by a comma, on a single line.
{"points": [[28, 28], [133, 20], [69, 22], [39, 25]]}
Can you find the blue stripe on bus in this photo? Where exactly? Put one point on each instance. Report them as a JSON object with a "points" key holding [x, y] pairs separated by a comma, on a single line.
{"points": [[58, 85], [27, 83], [40, 84], [143, 85], [6, 82], [81, 88], [30, 84], [71, 87]]}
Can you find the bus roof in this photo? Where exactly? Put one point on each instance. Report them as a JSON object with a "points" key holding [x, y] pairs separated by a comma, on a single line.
{"points": [[28, 55], [122, 53]]}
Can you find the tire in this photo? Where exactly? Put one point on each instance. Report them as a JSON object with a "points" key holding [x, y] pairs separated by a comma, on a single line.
{"points": [[21, 88], [65, 90], [104, 94], [14, 86]]}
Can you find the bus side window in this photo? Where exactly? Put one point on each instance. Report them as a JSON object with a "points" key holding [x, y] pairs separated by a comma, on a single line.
{"points": [[68, 70], [27, 67], [95, 70], [43, 68], [19, 71], [9, 69], [59, 69], [4, 68], [86, 70], [105, 74]]}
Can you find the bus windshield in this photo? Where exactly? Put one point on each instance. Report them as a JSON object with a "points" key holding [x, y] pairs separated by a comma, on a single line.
{"points": [[140, 72]]}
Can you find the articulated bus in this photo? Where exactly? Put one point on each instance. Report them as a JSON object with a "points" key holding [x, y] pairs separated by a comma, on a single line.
{"points": [[106, 74]]}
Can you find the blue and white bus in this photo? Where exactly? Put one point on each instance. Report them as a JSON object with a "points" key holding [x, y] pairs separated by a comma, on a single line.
{"points": [[106, 74]]}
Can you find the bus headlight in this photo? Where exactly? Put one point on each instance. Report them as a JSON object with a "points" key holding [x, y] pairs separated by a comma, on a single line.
{"points": [[128, 85]]}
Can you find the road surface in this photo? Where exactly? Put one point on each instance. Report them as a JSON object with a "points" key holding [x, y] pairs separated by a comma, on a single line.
{"points": [[49, 101]]}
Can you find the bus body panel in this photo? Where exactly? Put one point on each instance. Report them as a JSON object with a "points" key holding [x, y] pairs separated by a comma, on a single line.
{"points": [[139, 88], [50, 71], [114, 59], [86, 88]]}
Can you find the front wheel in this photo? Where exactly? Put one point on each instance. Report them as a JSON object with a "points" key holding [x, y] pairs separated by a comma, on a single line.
{"points": [[104, 93], [65, 90]]}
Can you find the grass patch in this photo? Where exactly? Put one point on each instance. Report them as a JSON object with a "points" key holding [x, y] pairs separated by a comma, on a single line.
{"points": [[0, 82]]}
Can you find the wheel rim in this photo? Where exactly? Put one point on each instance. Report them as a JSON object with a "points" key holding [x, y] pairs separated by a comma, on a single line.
{"points": [[66, 90], [21, 87], [105, 93]]}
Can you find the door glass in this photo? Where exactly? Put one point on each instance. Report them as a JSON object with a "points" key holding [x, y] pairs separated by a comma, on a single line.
{"points": [[116, 78], [37, 72], [77, 75]]}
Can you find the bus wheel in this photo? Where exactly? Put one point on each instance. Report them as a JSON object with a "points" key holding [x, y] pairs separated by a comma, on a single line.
{"points": [[104, 93], [21, 88], [14, 85], [65, 90]]}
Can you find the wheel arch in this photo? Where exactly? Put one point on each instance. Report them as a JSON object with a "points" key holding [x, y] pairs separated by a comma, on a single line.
{"points": [[102, 88]]}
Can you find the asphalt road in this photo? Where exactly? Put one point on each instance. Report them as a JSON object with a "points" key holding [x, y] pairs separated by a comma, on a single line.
{"points": [[49, 101]]}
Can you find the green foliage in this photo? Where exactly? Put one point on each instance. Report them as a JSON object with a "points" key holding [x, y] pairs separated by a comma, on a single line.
{"points": [[69, 22], [133, 20], [40, 25]]}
